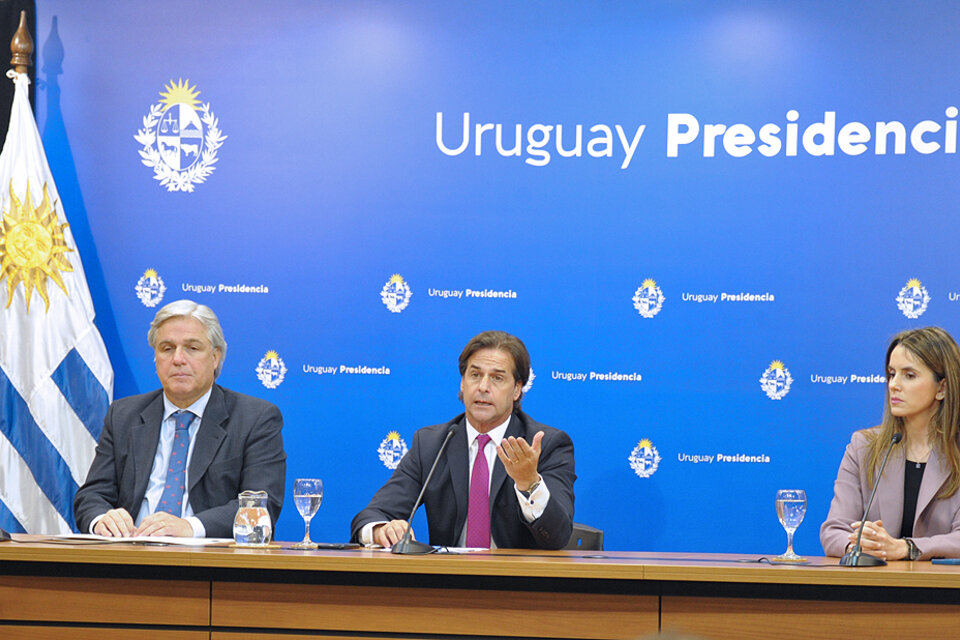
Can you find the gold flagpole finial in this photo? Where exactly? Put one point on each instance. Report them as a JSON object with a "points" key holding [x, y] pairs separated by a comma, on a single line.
{"points": [[22, 46]]}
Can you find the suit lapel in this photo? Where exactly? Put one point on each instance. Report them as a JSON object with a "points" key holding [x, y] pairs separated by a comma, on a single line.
{"points": [[934, 475], [144, 441], [209, 437], [890, 493], [458, 459]]}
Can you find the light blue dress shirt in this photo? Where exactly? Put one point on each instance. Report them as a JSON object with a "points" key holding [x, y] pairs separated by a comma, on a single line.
{"points": [[158, 476]]}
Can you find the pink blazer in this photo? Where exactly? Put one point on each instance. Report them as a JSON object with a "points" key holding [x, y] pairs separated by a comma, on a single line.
{"points": [[936, 527]]}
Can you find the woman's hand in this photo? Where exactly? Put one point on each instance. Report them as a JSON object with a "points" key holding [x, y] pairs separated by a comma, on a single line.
{"points": [[878, 542]]}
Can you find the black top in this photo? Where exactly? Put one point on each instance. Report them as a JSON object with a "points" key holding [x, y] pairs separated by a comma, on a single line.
{"points": [[911, 491]]}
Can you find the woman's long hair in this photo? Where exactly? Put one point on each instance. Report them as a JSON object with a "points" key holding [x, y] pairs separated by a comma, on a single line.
{"points": [[935, 348]]}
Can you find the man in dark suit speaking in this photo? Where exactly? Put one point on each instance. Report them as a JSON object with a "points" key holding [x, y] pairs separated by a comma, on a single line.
{"points": [[171, 462], [504, 480]]}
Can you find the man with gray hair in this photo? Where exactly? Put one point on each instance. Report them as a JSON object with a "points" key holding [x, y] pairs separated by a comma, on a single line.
{"points": [[171, 462]]}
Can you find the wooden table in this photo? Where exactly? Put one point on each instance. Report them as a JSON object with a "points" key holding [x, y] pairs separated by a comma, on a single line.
{"points": [[123, 591]]}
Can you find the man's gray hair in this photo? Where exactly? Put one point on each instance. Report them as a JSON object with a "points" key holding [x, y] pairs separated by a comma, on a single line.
{"points": [[190, 309]]}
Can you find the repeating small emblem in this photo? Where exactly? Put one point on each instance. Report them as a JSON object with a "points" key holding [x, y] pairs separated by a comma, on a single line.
{"points": [[644, 459], [776, 381], [150, 288], [913, 299], [396, 293], [648, 299], [180, 138], [391, 450], [529, 384], [271, 370]]}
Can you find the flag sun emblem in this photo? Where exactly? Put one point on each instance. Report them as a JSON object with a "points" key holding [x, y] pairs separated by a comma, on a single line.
{"points": [[32, 247]]}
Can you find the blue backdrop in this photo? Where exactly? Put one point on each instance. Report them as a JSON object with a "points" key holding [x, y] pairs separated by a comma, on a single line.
{"points": [[797, 161]]}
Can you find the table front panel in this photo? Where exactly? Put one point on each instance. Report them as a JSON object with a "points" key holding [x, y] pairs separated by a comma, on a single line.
{"points": [[104, 600], [761, 619], [427, 610], [37, 632]]}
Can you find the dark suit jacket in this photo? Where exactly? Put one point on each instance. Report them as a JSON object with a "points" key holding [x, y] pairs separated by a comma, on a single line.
{"points": [[238, 447], [936, 525], [447, 496]]}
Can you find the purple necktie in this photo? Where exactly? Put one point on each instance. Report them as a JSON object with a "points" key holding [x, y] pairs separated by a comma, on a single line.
{"points": [[172, 499], [478, 513]]}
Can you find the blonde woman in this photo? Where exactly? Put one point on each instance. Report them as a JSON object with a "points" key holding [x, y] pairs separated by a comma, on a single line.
{"points": [[916, 513]]}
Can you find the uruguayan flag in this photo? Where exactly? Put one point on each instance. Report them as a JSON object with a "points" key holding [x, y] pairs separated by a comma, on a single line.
{"points": [[55, 378]]}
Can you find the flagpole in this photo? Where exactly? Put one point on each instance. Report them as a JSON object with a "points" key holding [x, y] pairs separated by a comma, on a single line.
{"points": [[22, 47]]}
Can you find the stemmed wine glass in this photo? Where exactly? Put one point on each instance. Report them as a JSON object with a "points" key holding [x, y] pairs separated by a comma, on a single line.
{"points": [[791, 507], [307, 495]]}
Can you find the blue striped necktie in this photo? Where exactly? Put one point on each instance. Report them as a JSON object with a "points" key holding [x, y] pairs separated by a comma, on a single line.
{"points": [[172, 499]]}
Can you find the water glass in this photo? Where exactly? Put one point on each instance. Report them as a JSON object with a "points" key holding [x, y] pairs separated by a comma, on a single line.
{"points": [[307, 495], [791, 507]]}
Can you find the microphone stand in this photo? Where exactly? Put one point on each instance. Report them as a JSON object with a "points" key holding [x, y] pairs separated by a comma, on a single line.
{"points": [[855, 557], [406, 545]]}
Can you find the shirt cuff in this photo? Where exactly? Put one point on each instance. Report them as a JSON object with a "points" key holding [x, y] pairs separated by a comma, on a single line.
{"points": [[199, 531], [93, 524], [534, 506], [366, 533]]}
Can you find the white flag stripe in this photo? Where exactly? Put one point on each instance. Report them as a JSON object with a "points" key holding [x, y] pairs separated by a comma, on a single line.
{"points": [[76, 283], [65, 431], [39, 514]]}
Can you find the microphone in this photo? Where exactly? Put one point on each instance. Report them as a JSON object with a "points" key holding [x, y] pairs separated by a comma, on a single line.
{"points": [[406, 546], [855, 557]]}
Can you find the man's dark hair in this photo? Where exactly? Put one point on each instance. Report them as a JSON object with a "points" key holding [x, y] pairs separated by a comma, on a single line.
{"points": [[501, 341]]}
